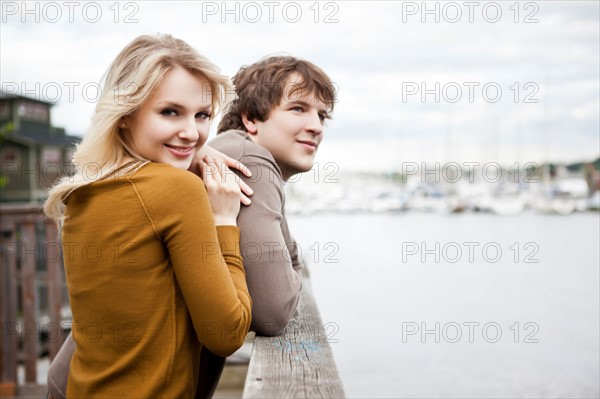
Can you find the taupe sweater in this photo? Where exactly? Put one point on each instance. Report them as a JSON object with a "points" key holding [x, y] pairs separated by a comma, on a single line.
{"points": [[269, 252]]}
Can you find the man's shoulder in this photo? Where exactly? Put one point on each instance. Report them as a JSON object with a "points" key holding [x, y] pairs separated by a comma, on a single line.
{"points": [[238, 145], [266, 177]]}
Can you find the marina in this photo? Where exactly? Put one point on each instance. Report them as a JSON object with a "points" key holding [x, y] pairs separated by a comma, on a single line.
{"points": [[450, 188]]}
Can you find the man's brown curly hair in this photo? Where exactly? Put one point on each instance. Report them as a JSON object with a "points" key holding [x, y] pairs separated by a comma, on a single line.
{"points": [[260, 87]]}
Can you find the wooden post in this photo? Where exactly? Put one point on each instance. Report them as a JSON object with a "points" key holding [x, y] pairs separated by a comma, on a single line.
{"points": [[52, 254], [8, 280], [298, 363], [30, 329]]}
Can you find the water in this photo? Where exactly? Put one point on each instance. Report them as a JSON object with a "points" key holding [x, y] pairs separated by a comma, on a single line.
{"points": [[518, 319]]}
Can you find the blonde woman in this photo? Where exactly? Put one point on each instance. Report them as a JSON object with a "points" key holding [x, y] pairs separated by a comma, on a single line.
{"points": [[151, 251]]}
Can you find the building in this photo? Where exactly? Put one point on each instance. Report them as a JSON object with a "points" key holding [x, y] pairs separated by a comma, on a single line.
{"points": [[33, 153]]}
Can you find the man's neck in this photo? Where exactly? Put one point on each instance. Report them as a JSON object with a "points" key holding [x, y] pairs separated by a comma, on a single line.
{"points": [[286, 173]]}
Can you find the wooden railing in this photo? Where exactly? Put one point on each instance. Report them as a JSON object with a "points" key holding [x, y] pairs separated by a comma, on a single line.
{"points": [[298, 363], [28, 239]]}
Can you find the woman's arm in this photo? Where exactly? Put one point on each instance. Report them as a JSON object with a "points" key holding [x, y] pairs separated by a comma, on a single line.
{"points": [[206, 259]]}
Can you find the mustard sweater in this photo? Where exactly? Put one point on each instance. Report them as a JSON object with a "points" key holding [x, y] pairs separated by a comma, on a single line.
{"points": [[151, 280]]}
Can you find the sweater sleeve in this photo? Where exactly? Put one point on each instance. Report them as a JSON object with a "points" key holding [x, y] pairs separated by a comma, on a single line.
{"points": [[268, 256], [293, 248], [206, 260]]}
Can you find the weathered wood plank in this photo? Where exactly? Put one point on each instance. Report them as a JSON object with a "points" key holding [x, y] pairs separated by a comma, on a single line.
{"points": [[8, 279], [30, 328], [297, 364], [52, 254]]}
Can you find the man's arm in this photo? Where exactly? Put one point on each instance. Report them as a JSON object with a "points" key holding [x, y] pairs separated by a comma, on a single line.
{"points": [[293, 248], [270, 255]]}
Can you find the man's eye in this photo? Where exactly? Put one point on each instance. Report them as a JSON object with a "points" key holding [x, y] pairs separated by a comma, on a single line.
{"points": [[299, 109], [169, 112]]}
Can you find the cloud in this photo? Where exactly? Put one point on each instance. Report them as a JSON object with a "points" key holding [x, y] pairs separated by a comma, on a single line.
{"points": [[372, 52]]}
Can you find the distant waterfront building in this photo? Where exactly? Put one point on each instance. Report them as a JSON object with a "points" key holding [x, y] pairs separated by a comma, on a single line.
{"points": [[33, 153]]}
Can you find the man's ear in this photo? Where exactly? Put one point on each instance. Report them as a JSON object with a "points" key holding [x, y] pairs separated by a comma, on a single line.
{"points": [[249, 125]]}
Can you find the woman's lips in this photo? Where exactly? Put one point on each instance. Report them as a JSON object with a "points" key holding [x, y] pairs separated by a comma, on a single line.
{"points": [[180, 151]]}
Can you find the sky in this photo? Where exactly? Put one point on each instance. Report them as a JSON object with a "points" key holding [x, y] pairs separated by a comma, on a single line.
{"points": [[431, 81]]}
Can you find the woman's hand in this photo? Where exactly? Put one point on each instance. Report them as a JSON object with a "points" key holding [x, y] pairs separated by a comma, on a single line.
{"points": [[223, 191], [219, 158]]}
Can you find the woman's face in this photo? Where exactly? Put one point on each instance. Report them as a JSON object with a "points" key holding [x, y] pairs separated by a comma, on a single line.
{"points": [[174, 122]]}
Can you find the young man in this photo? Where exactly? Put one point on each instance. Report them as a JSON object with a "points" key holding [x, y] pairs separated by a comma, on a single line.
{"points": [[274, 127]]}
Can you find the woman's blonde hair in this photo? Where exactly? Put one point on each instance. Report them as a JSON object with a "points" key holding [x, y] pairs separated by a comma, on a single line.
{"points": [[130, 80]]}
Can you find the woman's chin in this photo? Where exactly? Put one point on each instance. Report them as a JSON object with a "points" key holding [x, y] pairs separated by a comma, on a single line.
{"points": [[184, 165]]}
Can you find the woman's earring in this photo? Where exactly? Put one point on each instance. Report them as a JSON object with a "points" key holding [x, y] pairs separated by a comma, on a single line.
{"points": [[123, 125]]}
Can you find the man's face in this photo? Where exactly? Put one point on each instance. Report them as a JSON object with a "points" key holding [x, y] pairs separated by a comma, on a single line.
{"points": [[293, 130]]}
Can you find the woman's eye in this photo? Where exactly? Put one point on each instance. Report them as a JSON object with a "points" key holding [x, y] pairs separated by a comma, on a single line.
{"points": [[169, 112], [203, 115]]}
